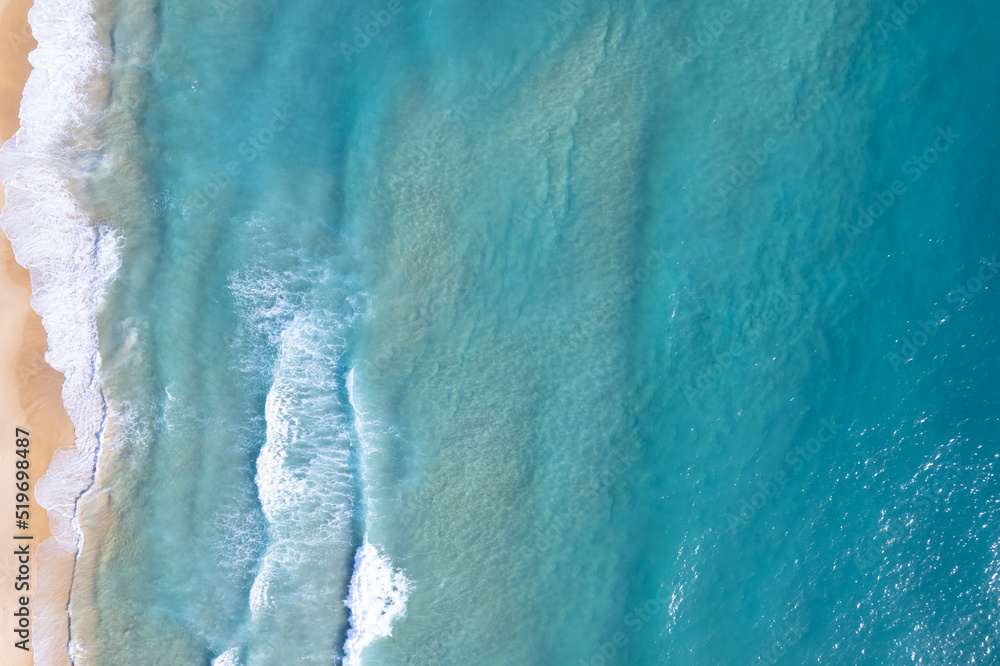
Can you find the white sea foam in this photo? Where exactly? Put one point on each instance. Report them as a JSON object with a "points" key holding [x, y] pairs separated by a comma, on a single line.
{"points": [[69, 260], [299, 419], [259, 601], [359, 431], [303, 416], [304, 479], [230, 657], [378, 593], [377, 598], [371, 435], [239, 540], [279, 487]]}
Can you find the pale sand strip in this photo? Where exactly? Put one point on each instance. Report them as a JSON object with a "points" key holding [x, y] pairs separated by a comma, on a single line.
{"points": [[30, 395]]}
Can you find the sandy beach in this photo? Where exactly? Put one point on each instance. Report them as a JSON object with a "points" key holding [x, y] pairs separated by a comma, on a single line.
{"points": [[30, 399]]}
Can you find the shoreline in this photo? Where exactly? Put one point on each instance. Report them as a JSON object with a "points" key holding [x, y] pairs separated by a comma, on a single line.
{"points": [[30, 398]]}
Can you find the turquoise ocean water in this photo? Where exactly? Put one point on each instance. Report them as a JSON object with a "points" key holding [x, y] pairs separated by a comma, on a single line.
{"points": [[524, 333]]}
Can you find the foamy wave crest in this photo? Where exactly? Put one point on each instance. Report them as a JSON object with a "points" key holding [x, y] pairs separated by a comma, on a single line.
{"points": [[230, 657], [259, 600], [363, 443], [303, 470], [69, 260], [296, 316], [374, 466], [303, 417], [377, 598], [290, 307]]}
